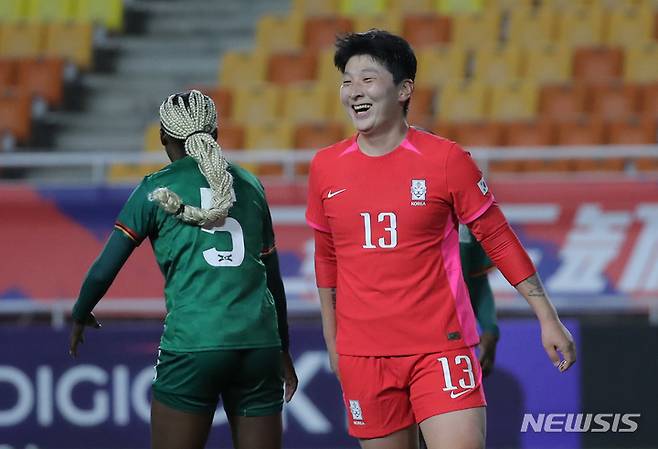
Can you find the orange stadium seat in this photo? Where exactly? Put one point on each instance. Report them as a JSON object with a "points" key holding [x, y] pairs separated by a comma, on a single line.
{"points": [[531, 27], [528, 133], [7, 73], [21, 40], [389, 21], [223, 99], [580, 132], [231, 136], [514, 101], [72, 42], [614, 102], [476, 134], [598, 65], [309, 8], [43, 78], [361, 7], [632, 131], [649, 100], [473, 29], [308, 102], [256, 104], [496, 64], [321, 32], [440, 65], [314, 136], [629, 24], [641, 63], [547, 63], [564, 102], [242, 68], [426, 30], [463, 102], [279, 33], [291, 67], [15, 116], [421, 107], [581, 26]]}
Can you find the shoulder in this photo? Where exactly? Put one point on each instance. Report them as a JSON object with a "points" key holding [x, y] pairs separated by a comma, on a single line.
{"points": [[430, 144], [244, 179], [174, 169], [327, 155]]}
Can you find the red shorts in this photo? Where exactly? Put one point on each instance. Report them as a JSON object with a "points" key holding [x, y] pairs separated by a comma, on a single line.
{"points": [[385, 394]]}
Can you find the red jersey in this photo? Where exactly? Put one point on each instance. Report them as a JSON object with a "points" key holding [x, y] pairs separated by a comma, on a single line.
{"points": [[394, 222]]}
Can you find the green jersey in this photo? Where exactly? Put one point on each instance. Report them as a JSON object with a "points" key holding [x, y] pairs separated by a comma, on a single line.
{"points": [[215, 283]]}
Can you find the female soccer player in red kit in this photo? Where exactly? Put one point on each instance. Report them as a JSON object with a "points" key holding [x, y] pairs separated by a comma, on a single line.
{"points": [[385, 205]]}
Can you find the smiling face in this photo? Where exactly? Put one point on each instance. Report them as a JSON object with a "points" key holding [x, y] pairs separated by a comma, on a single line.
{"points": [[370, 96]]}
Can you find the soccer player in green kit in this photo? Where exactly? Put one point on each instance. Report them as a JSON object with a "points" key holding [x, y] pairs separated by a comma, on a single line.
{"points": [[226, 331]]}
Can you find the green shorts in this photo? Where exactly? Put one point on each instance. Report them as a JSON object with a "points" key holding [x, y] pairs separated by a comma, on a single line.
{"points": [[249, 381]]}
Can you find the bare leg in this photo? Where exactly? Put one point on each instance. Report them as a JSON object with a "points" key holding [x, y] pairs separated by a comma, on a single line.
{"points": [[402, 439], [174, 429], [462, 429], [256, 432]]}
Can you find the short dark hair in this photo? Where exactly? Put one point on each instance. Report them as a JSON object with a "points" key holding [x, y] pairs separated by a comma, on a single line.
{"points": [[390, 50]]}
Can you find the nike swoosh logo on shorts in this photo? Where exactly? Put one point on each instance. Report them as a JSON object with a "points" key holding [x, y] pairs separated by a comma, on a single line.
{"points": [[333, 194], [454, 395]]}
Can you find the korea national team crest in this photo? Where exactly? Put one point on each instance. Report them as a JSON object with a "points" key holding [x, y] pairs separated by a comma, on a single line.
{"points": [[418, 192], [357, 414]]}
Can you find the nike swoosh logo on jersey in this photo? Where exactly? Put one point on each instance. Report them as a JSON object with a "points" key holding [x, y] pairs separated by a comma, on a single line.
{"points": [[454, 395], [333, 194]]}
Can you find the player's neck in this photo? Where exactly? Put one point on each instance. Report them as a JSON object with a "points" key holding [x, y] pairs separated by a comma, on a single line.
{"points": [[383, 142]]}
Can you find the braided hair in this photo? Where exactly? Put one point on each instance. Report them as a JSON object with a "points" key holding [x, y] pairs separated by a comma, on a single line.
{"points": [[192, 118]]}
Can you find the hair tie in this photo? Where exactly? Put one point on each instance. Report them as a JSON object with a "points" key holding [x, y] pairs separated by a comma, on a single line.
{"points": [[180, 210], [206, 130]]}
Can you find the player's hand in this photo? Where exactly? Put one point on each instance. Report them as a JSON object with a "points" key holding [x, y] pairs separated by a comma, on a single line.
{"points": [[289, 376], [557, 339], [488, 342], [77, 333]]}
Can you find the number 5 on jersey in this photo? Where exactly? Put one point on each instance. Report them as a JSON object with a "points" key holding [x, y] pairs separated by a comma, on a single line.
{"points": [[391, 229], [235, 256]]}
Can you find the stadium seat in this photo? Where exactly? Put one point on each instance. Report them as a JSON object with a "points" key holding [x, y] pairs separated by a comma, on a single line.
{"points": [[42, 78], [321, 32], [223, 99], [307, 102], [279, 33], [440, 65], [475, 134], [531, 27], [275, 135], [128, 173], [50, 11], [421, 107], [633, 131], [152, 137], [547, 64], [514, 101], [326, 71], [107, 13], [581, 26], [426, 30], [412, 7], [7, 73], [614, 102], [256, 104], [528, 133], [496, 64], [15, 109], [361, 7], [389, 21], [463, 102], [641, 63], [629, 24], [649, 100], [242, 68], [309, 8], [72, 42], [598, 65], [313, 136], [291, 67], [472, 30], [450, 7], [21, 40], [231, 136], [580, 132], [12, 11], [565, 102]]}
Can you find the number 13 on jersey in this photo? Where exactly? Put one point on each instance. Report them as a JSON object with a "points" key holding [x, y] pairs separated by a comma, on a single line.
{"points": [[390, 238]]}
